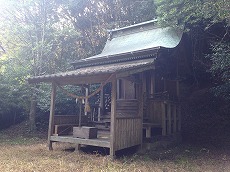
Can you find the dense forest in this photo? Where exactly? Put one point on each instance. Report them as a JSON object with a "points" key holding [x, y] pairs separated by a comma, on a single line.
{"points": [[40, 37]]}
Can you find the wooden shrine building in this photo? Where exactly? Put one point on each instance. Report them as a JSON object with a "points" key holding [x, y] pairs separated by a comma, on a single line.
{"points": [[140, 65]]}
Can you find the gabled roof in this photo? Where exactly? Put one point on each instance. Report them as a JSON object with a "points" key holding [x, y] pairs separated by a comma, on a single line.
{"points": [[133, 40]]}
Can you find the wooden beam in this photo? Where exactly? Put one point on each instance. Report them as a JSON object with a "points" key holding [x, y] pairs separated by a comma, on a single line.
{"points": [[79, 80], [51, 118], [113, 118], [92, 142]]}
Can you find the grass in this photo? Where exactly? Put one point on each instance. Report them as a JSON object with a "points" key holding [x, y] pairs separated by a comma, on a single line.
{"points": [[24, 152]]}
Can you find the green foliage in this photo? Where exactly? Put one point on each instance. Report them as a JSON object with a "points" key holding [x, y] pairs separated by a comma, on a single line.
{"points": [[91, 19], [13, 102], [36, 42], [184, 12], [207, 24], [221, 68]]}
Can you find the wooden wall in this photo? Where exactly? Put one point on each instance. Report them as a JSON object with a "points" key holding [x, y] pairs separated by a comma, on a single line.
{"points": [[128, 128], [128, 132], [154, 111], [127, 107]]}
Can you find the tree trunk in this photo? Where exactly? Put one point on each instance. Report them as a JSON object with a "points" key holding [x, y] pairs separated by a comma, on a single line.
{"points": [[32, 114]]}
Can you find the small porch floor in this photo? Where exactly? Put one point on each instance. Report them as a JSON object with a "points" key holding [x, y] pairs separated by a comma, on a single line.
{"points": [[102, 140]]}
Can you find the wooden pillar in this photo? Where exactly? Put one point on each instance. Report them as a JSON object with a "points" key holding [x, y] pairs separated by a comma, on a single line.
{"points": [[77, 148], [101, 105], [165, 86], [144, 82], [140, 97], [86, 100], [174, 119], [113, 117], [169, 119], [178, 89], [51, 118], [153, 83], [145, 106], [179, 117], [163, 119], [80, 112]]}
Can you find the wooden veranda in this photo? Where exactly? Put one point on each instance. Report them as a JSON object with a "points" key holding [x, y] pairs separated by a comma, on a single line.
{"points": [[125, 122]]}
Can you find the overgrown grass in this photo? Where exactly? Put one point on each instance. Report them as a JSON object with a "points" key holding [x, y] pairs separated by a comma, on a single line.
{"points": [[27, 153]]}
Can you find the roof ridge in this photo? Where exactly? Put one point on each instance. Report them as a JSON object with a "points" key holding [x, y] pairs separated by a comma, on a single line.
{"points": [[134, 25]]}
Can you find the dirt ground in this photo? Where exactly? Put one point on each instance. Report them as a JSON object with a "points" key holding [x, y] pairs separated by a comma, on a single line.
{"points": [[20, 152]]}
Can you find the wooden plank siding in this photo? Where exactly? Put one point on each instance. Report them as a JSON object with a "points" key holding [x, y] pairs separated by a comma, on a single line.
{"points": [[128, 132], [128, 129], [127, 107]]}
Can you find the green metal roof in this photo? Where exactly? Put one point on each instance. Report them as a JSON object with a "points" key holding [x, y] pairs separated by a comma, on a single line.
{"points": [[160, 37], [140, 38], [133, 42]]}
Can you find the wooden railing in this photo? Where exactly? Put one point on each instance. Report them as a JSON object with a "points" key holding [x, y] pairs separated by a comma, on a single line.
{"points": [[166, 114], [171, 118]]}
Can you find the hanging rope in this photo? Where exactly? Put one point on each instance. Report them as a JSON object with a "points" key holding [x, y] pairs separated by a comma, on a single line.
{"points": [[86, 97]]}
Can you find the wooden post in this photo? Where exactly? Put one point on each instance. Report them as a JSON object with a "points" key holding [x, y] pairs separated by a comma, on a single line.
{"points": [[80, 112], [86, 100], [179, 117], [169, 119], [101, 105], [174, 119], [144, 82], [152, 83], [140, 96], [113, 118], [165, 84], [77, 148], [178, 89], [51, 119], [145, 107], [163, 118]]}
